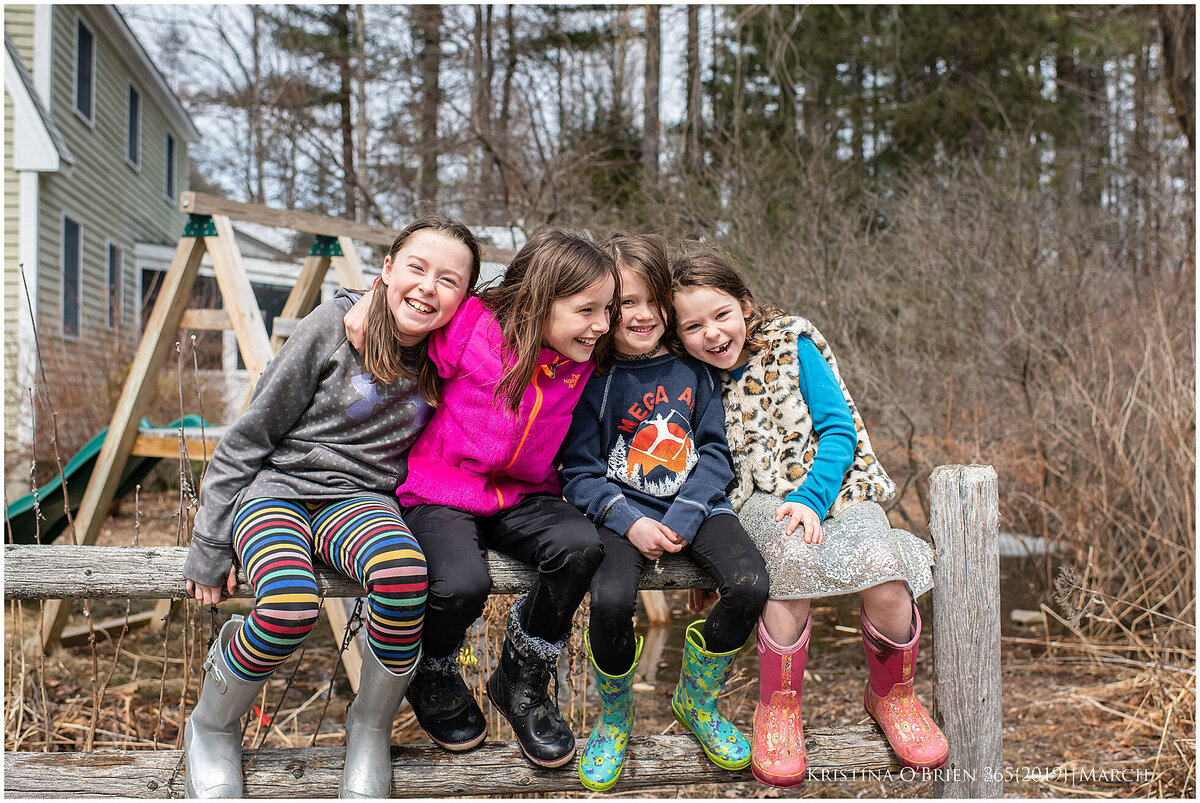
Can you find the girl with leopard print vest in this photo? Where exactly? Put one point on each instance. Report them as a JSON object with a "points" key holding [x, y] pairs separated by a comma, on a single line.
{"points": [[807, 487]]}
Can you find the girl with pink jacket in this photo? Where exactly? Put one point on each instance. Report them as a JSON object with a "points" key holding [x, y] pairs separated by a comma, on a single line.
{"points": [[514, 362]]}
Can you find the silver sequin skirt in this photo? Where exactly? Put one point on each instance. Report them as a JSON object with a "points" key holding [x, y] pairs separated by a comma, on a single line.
{"points": [[860, 549]]}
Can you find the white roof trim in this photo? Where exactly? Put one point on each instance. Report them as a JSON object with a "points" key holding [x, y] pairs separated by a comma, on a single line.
{"points": [[37, 149], [108, 20]]}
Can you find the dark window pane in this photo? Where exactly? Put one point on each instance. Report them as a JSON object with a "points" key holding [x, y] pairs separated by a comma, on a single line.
{"points": [[72, 251], [206, 294], [134, 129], [270, 298], [85, 45], [114, 285], [170, 167]]}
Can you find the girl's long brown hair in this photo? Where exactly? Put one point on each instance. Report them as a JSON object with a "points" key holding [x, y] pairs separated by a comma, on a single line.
{"points": [[645, 255], [706, 266], [382, 353], [554, 263]]}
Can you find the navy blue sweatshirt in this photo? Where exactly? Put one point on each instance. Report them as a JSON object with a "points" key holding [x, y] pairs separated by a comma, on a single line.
{"points": [[648, 439]]}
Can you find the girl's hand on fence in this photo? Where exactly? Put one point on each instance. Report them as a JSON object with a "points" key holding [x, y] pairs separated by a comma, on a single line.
{"points": [[699, 599], [652, 538], [802, 515], [356, 321], [209, 595], [213, 595]]}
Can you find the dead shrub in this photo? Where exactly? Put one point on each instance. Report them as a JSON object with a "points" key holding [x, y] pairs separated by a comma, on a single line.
{"points": [[979, 316]]}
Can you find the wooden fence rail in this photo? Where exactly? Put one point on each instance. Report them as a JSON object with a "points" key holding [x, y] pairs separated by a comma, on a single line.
{"points": [[966, 667], [655, 762], [98, 572]]}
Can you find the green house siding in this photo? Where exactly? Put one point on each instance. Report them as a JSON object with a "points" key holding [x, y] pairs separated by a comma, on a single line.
{"points": [[12, 279], [19, 25], [113, 202], [18, 22]]}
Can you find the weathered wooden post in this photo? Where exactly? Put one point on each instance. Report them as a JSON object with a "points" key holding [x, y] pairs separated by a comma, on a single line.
{"points": [[963, 521]]}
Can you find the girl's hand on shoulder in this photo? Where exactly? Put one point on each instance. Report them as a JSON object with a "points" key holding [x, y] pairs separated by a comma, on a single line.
{"points": [[653, 538], [356, 321], [802, 516], [213, 595]]}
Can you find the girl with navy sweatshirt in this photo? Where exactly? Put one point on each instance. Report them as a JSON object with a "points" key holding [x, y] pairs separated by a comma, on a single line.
{"points": [[646, 460]]}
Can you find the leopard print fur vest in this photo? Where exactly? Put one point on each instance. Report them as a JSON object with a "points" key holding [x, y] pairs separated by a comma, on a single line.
{"points": [[770, 429]]}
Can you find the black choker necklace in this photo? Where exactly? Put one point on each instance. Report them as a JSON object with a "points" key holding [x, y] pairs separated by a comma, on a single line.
{"points": [[645, 355]]}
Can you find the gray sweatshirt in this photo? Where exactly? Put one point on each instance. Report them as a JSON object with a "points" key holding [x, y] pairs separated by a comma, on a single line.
{"points": [[318, 428]]}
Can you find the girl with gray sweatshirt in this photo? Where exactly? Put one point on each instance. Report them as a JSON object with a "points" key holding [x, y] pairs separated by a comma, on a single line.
{"points": [[308, 473]]}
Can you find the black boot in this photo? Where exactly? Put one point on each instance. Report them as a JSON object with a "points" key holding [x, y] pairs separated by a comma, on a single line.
{"points": [[444, 705], [518, 689]]}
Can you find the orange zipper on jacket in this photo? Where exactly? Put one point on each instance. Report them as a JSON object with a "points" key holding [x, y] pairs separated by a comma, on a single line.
{"points": [[537, 406]]}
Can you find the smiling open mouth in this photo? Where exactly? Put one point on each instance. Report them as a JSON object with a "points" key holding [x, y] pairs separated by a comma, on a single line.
{"points": [[722, 349], [586, 342], [424, 309]]}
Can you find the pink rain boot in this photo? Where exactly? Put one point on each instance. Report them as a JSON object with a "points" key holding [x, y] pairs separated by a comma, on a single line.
{"points": [[889, 698], [779, 758]]}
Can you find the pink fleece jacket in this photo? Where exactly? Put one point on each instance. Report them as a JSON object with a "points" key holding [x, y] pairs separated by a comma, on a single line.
{"points": [[474, 454]]}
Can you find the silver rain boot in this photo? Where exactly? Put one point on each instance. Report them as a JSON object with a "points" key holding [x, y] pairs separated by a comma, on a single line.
{"points": [[368, 769], [212, 737]]}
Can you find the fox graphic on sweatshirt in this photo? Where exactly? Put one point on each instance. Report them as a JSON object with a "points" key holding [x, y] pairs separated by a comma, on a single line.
{"points": [[659, 456]]}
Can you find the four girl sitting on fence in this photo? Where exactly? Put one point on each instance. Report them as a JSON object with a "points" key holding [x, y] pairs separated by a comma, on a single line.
{"points": [[493, 380]]}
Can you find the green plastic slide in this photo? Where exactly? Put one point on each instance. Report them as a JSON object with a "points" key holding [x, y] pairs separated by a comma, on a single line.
{"points": [[22, 514]]}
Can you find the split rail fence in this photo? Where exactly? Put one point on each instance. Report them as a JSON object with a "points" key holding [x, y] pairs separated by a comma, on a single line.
{"points": [[965, 661]]}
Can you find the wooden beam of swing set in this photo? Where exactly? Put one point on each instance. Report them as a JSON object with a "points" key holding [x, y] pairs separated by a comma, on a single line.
{"points": [[197, 203]]}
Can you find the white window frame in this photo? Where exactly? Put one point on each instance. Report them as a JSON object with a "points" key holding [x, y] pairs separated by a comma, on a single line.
{"points": [[113, 296], [131, 91], [171, 159], [62, 285], [89, 121], [138, 296]]}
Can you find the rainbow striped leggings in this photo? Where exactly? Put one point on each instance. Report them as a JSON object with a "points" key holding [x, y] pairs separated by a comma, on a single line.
{"points": [[276, 542]]}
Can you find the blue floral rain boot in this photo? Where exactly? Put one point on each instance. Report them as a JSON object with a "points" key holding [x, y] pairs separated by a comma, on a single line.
{"points": [[695, 702], [604, 756]]}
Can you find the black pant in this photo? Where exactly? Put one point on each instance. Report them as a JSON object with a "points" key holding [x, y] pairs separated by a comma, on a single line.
{"points": [[543, 531], [721, 547]]}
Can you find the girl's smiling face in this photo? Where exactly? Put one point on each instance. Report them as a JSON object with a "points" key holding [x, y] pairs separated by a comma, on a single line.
{"points": [[712, 326], [641, 325], [577, 321], [426, 281]]}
